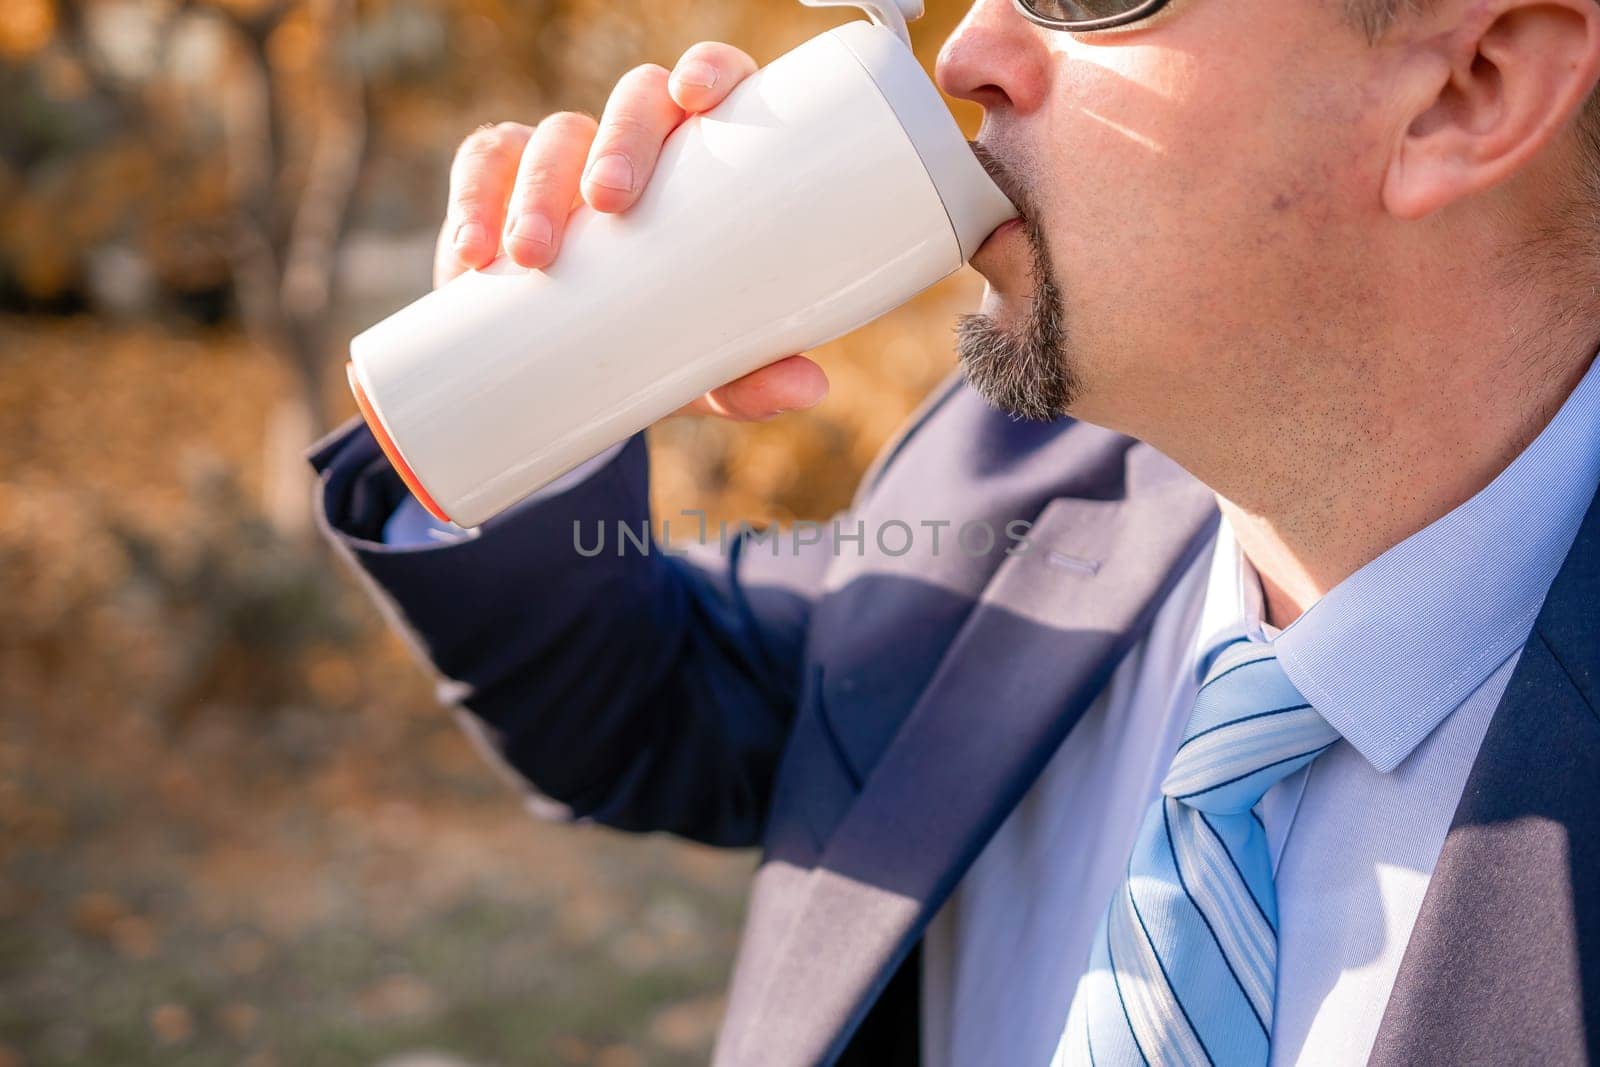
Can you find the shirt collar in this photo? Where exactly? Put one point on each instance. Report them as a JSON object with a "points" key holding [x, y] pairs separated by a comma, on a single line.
{"points": [[1233, 608], [1389, 652]]}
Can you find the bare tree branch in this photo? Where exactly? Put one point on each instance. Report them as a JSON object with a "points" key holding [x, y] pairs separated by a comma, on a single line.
{"points": [[128, 101], [323, 212], [286, 225]]}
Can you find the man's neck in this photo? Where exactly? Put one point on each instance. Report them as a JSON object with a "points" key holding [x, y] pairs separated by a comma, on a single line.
{"points": [[1329, 496]]}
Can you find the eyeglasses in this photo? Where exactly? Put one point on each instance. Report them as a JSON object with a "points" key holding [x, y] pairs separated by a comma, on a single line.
{"points": [[1081, 15]]}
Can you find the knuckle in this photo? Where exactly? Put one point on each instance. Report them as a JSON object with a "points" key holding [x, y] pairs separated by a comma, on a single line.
{"points": [[569, 123], [647, 75], [710, 51], [538, 191], [541, 172], [625, 128], [491, 140], [509, 132], [473, 197], [718, 54]]}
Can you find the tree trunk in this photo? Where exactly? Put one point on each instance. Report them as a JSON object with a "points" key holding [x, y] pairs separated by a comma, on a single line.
{"points": [[287, 482]]}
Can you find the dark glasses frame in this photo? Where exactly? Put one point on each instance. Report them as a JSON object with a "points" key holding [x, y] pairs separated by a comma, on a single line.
{"points": [[1142, 10]]}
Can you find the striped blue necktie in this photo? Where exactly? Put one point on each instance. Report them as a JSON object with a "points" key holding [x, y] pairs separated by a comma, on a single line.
{"points": [[1185, 962]]}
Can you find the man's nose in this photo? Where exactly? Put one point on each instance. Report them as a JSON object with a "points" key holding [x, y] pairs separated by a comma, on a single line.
{"points": [[995, 58]]}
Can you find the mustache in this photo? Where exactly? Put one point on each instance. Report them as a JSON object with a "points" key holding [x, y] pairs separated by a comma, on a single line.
{"points": [[1005, 178]]}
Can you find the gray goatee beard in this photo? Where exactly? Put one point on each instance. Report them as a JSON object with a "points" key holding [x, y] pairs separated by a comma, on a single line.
{"points": [[1026, 374]]}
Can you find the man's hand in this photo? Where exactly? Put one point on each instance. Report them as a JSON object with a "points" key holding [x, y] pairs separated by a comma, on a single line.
{"points": [[513, 188]]}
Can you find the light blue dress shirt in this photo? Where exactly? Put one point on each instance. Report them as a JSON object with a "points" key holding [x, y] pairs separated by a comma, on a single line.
{"points": [[1408, 658]]}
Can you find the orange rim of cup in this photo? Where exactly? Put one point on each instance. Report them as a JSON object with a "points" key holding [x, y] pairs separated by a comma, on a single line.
{"points": [[401, 467]]}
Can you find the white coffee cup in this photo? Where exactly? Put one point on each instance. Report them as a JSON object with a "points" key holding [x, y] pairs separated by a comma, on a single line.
{"points": [[830, 187]]}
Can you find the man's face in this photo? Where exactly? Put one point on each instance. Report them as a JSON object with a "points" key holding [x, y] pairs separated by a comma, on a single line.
{"points": [[1199, 190]]}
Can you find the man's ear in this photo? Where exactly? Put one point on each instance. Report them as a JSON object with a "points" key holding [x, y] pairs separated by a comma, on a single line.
{"points": [[1492, 92]]}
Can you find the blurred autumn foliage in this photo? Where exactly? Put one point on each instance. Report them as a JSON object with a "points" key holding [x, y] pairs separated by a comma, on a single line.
{"points": [[234, 825]]}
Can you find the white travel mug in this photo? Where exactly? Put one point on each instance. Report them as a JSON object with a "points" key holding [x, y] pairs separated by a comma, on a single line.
{"points": [[830, 187]]}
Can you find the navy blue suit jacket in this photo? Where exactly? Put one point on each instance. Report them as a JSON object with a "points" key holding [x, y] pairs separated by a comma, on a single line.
{"points": [[869, 718]]}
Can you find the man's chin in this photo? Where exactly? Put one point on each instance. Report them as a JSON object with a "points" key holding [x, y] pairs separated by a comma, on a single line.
{"points": [[1011, 370], [1013, 349], [1007, 310]]}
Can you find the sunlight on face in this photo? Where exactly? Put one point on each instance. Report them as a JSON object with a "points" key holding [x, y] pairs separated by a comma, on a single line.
{"points": [[1176, 175]]}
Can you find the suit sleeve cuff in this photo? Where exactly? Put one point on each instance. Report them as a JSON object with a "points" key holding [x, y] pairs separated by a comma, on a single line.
{"points": [[363, 498]]}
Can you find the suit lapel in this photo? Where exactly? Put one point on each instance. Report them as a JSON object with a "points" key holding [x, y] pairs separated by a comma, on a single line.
{"points": [[1046, 635], [1503, 964]]}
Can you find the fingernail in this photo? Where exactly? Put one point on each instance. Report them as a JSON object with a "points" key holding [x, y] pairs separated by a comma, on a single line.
{"points": [[698, 73], [534, 228], [805, 404], [613, 171], [469, 234]]}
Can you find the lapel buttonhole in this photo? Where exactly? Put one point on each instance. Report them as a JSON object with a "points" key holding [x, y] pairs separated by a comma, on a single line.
{"points": [[1076, 564]]}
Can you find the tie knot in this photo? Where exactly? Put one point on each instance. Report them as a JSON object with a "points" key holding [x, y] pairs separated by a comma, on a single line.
{"points": [[1250, 729]]}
